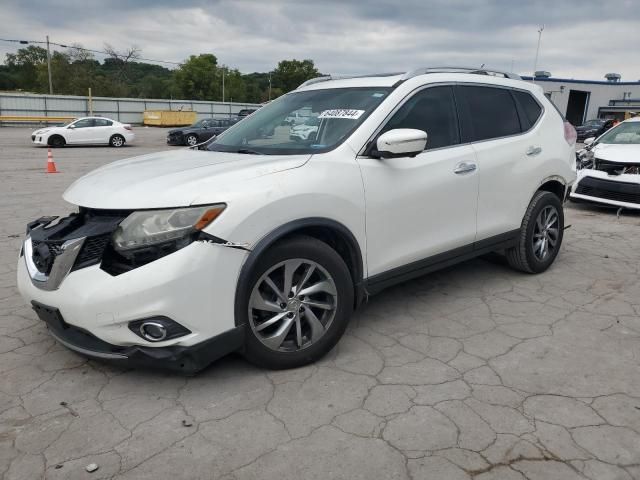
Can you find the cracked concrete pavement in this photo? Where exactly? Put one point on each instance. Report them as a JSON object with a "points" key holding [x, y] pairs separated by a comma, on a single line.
{"points": [[476, 372]]}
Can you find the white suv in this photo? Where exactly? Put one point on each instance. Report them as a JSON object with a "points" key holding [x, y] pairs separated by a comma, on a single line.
{"points": [[266, 245]]}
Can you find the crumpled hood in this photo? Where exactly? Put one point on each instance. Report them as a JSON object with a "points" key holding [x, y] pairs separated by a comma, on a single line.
{"points": [[173, 179], [629, 153]]}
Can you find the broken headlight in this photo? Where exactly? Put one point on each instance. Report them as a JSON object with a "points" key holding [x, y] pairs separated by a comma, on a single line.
{"points": [[148, 228]]}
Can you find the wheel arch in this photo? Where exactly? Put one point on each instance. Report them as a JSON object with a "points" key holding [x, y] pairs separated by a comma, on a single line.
{"points": [[329, 231], [54, 135], [555, 185]]}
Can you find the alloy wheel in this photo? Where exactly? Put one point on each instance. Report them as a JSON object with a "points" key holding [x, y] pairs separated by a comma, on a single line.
{"points": [[292, 305], [191, 140], [117, 141], [545, 232]]}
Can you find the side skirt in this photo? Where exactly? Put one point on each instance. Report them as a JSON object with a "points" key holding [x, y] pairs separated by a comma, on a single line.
{"points": [[381, 281]]}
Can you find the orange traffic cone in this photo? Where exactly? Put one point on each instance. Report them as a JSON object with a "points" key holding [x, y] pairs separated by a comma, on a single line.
{"points": [[51, 165]]}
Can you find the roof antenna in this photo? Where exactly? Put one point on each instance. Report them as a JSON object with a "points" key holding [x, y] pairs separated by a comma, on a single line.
{"points": [[481, 67]]}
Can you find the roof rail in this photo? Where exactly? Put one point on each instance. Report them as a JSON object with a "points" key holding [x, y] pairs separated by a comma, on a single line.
{"points": [[416, 72], [473, 70], [325, 78]]}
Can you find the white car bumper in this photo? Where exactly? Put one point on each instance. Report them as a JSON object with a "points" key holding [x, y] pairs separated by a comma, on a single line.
{"points": [[39, 139], [596, 186], [194, 286]]}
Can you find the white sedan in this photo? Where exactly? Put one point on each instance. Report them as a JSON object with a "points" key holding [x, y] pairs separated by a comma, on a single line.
{"points": [[85, 131], [610, 172]]}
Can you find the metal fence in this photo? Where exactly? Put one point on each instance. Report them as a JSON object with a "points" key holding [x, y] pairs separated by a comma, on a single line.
{"points": [[127, 110]]}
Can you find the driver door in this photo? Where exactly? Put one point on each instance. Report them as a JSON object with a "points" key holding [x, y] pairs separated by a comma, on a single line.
{"points": [[422, 206], [80, 131]]}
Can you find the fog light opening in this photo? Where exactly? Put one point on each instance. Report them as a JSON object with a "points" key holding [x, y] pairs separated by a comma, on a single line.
{"points": [[153, 331], [157, 329]]}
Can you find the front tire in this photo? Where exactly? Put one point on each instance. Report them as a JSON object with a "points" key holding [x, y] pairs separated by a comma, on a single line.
{"points": [[191, 140], [298, 301], [541, 235], [56, 141], [117, 141]]}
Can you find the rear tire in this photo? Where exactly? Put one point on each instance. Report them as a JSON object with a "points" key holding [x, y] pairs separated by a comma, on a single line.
{"points": [[56, 141], [117, 141], [306, 316], [540, 236]]}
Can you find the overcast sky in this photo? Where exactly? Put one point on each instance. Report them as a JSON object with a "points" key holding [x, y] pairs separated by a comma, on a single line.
{"points": [[582, 38]]}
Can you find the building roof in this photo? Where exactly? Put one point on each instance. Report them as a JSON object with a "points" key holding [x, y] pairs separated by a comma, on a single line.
{"points": [[573, 80]]}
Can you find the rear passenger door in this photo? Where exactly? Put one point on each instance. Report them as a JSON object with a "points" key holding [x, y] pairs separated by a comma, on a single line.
{"points": [[499, 123], [421, 206], [101, 130]]}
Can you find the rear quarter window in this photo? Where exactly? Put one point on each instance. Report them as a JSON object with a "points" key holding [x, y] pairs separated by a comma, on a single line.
{"points": [[530, 109], [488, 112]]}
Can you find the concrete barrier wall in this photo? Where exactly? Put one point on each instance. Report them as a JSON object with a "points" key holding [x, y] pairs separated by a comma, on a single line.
{"points": [[127, 110]]}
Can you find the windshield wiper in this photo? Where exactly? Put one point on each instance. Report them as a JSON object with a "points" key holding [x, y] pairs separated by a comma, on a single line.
{"points": [[248, 151]]}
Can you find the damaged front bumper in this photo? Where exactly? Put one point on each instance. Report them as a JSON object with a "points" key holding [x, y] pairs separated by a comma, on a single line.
{"points": [[599, 187], [193, 286], [189, 359]]}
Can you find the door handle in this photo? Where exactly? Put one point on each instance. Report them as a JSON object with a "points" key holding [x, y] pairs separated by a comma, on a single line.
{"points": [[464, 167], [533, 151]]}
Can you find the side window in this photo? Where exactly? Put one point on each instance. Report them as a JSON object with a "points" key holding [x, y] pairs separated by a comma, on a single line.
{"points": [[489, 112], [84, 123], [530, 109], [432, 110], [99, 122]]}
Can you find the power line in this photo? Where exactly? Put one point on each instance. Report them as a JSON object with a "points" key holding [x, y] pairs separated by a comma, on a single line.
{"points": [[26, 42]]}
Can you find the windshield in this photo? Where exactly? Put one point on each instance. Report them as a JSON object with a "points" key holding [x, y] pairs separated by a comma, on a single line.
{"points": [[69, 122], [625, 133], [593, 123], [200, 123], [329, 116]]}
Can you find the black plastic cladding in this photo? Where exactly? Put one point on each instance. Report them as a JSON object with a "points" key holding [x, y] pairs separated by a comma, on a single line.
{"points": [[95, 225]]}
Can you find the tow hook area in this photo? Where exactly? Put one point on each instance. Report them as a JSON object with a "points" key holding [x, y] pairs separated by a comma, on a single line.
{"points": [[207, 238]]}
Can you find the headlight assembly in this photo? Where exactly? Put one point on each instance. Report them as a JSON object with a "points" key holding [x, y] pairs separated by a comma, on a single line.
{"points": [[148, 228]]}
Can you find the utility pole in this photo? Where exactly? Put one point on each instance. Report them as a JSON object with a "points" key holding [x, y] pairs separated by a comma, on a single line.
{"points": [[222, 84], [269, 86], [49, 66], [535, 63]]}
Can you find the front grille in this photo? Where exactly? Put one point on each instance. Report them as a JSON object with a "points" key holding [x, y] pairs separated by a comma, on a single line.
{"points": [[55, 248], [94, 226], [44, 264], [610, 190], [92, 251], [615, 168]]}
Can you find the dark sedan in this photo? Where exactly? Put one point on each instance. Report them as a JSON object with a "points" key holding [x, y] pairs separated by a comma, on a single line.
{"points": [[200, 131], [593, 128]]}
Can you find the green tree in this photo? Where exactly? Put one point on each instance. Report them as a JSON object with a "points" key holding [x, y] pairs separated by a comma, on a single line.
{"points": [[234, 86], [199, 78], [289, 74], [25, 63]]}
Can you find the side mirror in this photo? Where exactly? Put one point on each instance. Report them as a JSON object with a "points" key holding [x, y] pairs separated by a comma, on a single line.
{"points": [[589, 141], [71, 127], [400, 142]]}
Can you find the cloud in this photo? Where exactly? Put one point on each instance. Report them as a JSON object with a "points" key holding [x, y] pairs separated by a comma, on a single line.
{"points": [[581, 39]]}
